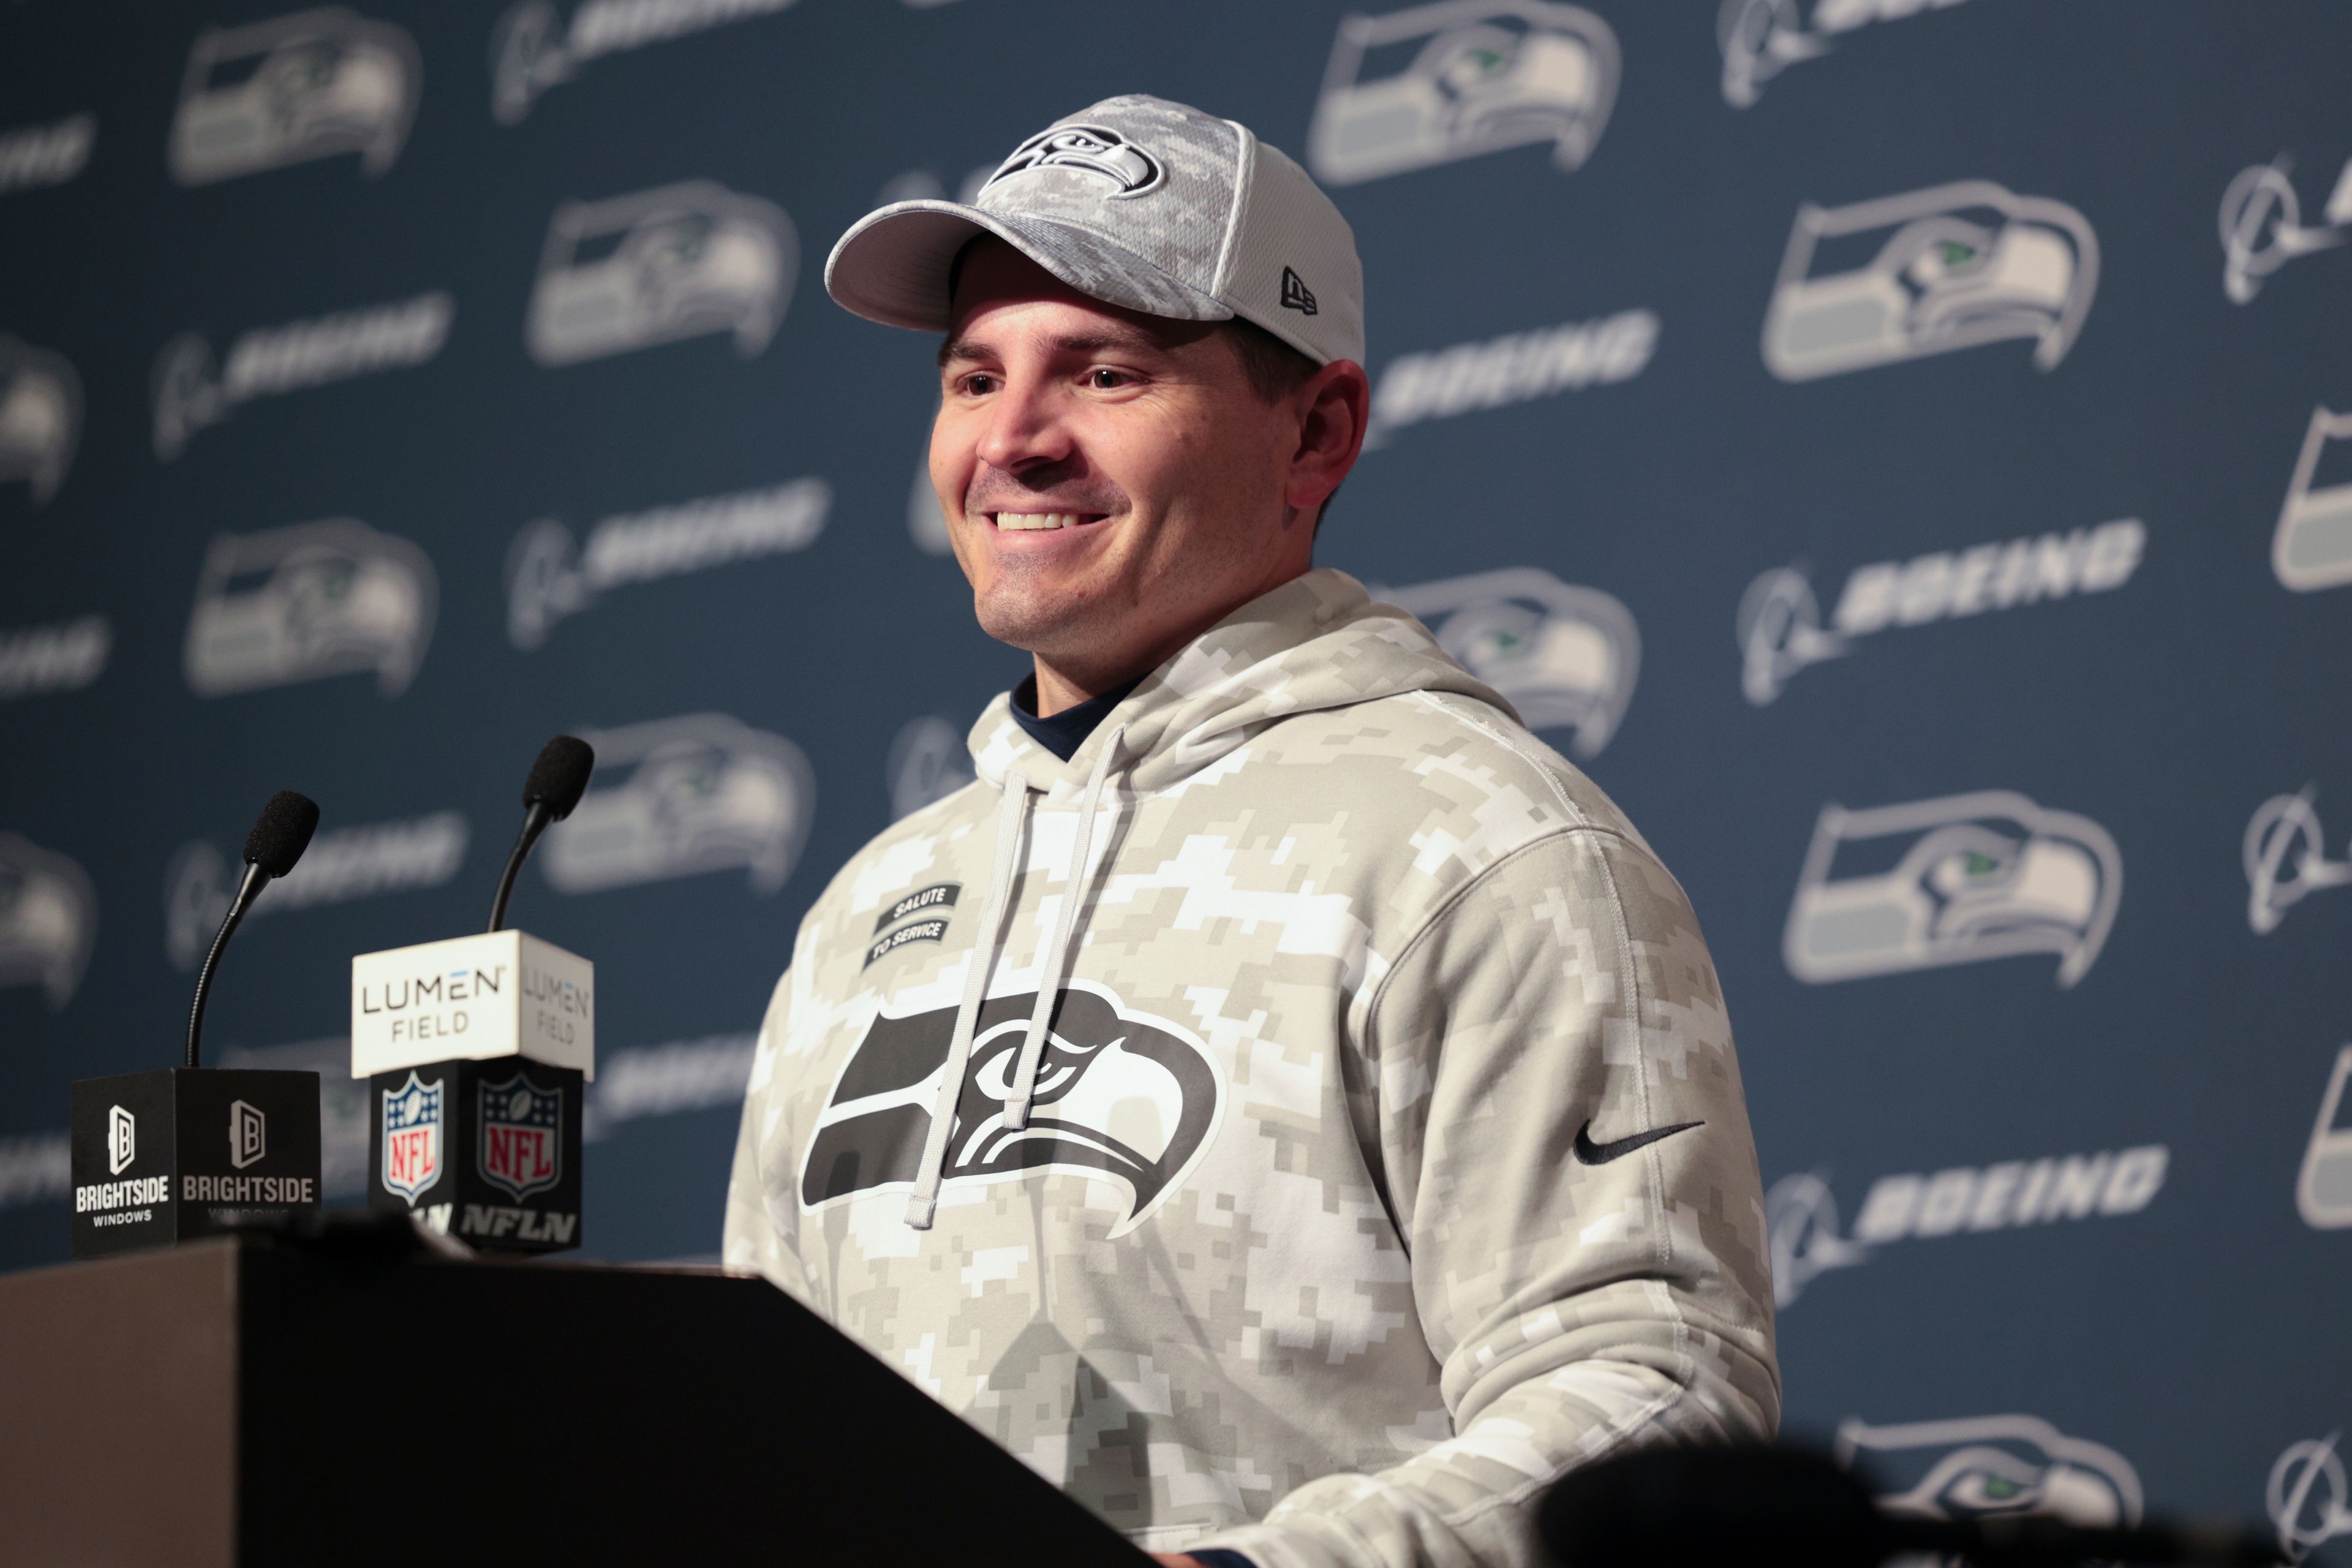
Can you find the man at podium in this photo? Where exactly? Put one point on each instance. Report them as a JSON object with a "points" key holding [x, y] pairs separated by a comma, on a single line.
{"points": [[1281, 1100]]}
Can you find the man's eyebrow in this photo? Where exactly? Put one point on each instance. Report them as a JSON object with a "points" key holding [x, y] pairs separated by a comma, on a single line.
{"points": [[1131, 339], [1128, 338]]}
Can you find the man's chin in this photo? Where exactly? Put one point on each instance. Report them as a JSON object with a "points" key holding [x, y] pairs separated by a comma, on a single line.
{"points": [[1047, 624]]}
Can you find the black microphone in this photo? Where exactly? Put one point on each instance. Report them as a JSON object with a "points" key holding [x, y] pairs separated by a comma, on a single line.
{"points": [[476, 1051], [280, 836], [1770, 1507], [557, 781], [174, 1154]]}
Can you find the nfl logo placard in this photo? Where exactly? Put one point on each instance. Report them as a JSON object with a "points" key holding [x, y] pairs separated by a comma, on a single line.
{"points": [[414, 1137], [486, 1151], [522, 1136]]}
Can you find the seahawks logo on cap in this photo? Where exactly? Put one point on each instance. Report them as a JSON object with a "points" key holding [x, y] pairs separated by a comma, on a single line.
{"points": [[1094, 148]]}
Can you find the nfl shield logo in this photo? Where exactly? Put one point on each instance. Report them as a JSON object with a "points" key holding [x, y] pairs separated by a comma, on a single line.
{"points": [[522, 1136], [412, 1138]]}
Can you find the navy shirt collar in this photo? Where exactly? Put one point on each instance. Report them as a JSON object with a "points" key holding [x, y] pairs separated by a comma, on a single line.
{"points": [[1065, 731]]}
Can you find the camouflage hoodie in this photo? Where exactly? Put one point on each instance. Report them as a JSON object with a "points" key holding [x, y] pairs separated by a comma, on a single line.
{"points": [[1382, 1156]]}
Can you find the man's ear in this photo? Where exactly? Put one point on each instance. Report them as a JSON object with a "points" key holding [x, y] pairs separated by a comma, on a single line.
{"points": [[1334, 406]]}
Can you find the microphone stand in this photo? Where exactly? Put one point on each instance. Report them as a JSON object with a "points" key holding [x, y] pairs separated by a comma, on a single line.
{"points": [[256, 878], [534, 823]]}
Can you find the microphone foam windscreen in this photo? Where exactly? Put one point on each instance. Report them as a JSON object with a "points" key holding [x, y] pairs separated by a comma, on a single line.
{"points": [[559, 777], [282, 832]]}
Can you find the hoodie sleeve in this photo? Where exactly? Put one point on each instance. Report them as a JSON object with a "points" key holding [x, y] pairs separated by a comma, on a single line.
{"points": [[1582, 1295], [752, 1242]]}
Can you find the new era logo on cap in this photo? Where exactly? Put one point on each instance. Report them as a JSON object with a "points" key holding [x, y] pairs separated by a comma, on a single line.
{"points": [[1139, 203]]}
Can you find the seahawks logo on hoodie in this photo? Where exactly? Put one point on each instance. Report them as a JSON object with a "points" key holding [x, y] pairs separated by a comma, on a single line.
{"points": [[1119, 1094]]}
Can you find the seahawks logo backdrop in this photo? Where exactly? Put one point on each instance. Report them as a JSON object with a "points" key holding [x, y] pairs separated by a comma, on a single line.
{"points": [[1986, 477], [1119, 1094]]}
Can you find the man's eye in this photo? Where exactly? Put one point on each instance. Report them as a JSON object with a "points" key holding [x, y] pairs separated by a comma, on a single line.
{"points": [[977, 385], [1108, 380]]}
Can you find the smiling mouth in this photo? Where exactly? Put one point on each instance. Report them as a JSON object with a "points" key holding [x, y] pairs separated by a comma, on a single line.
{"points": [[1033, 522]]}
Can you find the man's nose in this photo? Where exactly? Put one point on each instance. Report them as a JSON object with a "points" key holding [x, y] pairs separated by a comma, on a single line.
{"points": [[1026, 428]]}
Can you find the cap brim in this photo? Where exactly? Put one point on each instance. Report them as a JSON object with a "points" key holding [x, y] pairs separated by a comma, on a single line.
{"points": [[892, 266]]}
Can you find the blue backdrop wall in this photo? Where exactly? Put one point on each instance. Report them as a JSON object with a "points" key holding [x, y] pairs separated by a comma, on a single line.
{"points": [[1891, 444]]}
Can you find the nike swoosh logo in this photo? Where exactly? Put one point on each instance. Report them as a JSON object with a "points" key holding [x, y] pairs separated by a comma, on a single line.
{"points": [[1588, 1153]]}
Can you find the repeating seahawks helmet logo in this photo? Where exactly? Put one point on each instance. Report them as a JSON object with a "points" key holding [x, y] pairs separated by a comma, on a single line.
{"points": [[1094, 148], [1953, 268], [1119, 1094], [1565, 656], [1987, 875], [1988, 1465]]}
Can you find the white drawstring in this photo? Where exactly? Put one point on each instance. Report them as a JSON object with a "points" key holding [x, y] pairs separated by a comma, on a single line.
{"points": [[925, 1199], [1049, 974]]}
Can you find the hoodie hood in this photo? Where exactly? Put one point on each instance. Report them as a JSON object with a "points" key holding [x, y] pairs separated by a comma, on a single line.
{"points": [[1317, 642]]}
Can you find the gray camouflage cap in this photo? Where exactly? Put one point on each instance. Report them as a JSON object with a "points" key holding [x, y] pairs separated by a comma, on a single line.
{"points": [[1137, 202]]}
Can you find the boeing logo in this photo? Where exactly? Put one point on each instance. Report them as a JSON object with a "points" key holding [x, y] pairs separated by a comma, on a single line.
{"points": [[2307, 1495], [1801, 1224], [533, 48], [36, 155], [342, 865], [1518, 367], [313, 85], [271, 361], [668, 1080], [1435, 84], [2285, 858], [1966, 877], [1804, 1237], [1565, 657], [48, 920], [549, 576], [678, 797], [36, 1169], [1779, 624], [682, 261], [66, 657], [2262, 228], [40, 417], [1950, 268]]}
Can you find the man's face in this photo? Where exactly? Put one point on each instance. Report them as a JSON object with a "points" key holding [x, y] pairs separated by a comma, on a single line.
{"points": [[1111, 483]]}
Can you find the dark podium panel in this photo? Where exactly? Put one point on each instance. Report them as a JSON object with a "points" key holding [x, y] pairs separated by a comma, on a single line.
{"points": [[263, 1402]]}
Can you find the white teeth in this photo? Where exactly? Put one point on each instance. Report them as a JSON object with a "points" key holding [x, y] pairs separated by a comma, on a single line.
{"points": [[1033, 520]]}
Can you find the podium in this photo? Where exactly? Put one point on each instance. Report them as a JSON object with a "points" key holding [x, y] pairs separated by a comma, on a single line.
{"points": [[258, 1401]]}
